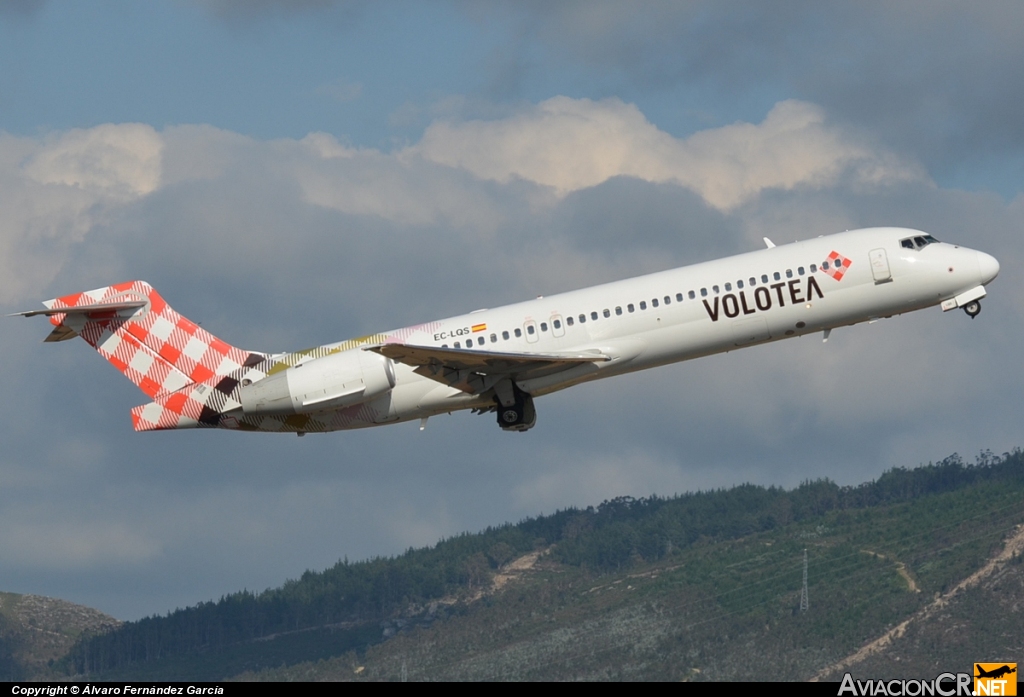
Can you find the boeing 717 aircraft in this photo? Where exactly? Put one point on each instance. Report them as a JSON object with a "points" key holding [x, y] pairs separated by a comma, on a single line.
{"points": [[500, 360]]}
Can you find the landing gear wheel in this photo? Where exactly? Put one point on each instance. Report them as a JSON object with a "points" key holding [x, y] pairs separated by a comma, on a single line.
{"points": [[520, 415], [509, 416], [973, 309]]}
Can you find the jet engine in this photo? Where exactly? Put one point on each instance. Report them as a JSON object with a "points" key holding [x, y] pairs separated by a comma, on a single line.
{"points": [[332, 382]]}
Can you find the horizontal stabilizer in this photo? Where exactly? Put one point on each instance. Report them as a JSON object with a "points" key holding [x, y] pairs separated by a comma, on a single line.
{"points": [[91, 311], [86, 313]]}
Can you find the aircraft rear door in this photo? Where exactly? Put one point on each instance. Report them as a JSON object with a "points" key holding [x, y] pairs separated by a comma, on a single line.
{"points": [[557, 327], [879, 266]]}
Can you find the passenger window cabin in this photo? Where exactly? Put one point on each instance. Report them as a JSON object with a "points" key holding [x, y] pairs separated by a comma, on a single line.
{"points": [[916, 242]]}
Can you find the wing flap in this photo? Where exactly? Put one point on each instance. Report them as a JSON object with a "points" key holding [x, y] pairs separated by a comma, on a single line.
{"points": [[477, 371]]}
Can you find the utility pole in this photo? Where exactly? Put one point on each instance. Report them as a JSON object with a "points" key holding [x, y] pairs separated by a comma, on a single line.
{"points": [[803, 591]]}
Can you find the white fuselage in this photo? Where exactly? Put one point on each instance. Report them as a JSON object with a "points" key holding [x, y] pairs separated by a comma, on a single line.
{"points": [[694, 311], [499, 360]]}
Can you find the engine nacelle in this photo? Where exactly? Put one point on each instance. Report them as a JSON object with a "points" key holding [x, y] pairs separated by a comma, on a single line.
{"points": [[332, 382]]}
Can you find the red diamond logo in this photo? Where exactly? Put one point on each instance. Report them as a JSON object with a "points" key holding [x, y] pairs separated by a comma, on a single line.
{"points": [[836, 265]]}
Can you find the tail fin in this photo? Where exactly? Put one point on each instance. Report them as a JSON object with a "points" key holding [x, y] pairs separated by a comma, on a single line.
{"points": [[131, 326]]}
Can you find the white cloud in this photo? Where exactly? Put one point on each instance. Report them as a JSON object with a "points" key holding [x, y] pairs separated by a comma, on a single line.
{"points": [[365, 181], [201, 152], [117, 160], [470, 177], [571, 144], [55, 189]]}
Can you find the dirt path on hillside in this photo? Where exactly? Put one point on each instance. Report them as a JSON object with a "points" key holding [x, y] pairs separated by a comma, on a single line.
{"points": [[1014, 545], [514, 569], [901, 569]]}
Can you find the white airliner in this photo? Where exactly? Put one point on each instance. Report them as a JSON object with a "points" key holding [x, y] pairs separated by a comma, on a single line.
{"points": [[499, 360]]}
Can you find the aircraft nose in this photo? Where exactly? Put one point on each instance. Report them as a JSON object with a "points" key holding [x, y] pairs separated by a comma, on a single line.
{"points": [[989, 267]]}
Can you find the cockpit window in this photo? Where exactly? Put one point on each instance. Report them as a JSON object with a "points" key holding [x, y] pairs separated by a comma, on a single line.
{"points": [[917, 242]]}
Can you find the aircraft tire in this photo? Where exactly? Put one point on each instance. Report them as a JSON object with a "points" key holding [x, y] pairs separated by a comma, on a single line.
{"points": [[520, 416], [973, 309], [509, 416]]}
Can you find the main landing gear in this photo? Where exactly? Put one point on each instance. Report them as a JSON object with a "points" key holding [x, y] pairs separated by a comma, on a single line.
{"points": [[973, 308], [515, 408]]}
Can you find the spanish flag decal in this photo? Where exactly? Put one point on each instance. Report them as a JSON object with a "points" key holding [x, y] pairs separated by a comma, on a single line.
{"points": [[479, 328]]}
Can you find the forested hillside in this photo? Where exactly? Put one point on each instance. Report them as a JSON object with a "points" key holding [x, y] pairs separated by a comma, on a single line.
{"points": [[735, 554]]}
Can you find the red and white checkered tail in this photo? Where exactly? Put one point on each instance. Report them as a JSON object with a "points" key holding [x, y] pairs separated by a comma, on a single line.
{"points": [[131, 326]]}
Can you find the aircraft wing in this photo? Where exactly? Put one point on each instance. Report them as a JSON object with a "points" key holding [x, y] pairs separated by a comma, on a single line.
{"points": [[476, 371]]}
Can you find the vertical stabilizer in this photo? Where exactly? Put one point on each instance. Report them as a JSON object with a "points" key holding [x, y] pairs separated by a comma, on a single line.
{"points": [[131, 326]]}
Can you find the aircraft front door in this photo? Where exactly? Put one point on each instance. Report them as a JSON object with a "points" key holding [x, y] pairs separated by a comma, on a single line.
{"points": [[879, 266]]}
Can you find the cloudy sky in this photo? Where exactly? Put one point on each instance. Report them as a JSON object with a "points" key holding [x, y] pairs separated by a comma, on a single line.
{"points": [[294, 173]]}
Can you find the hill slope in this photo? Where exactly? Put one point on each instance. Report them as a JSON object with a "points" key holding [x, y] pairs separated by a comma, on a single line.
{"points": [[703, 586], [36, 631], [979, 618], [729, 610]]}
